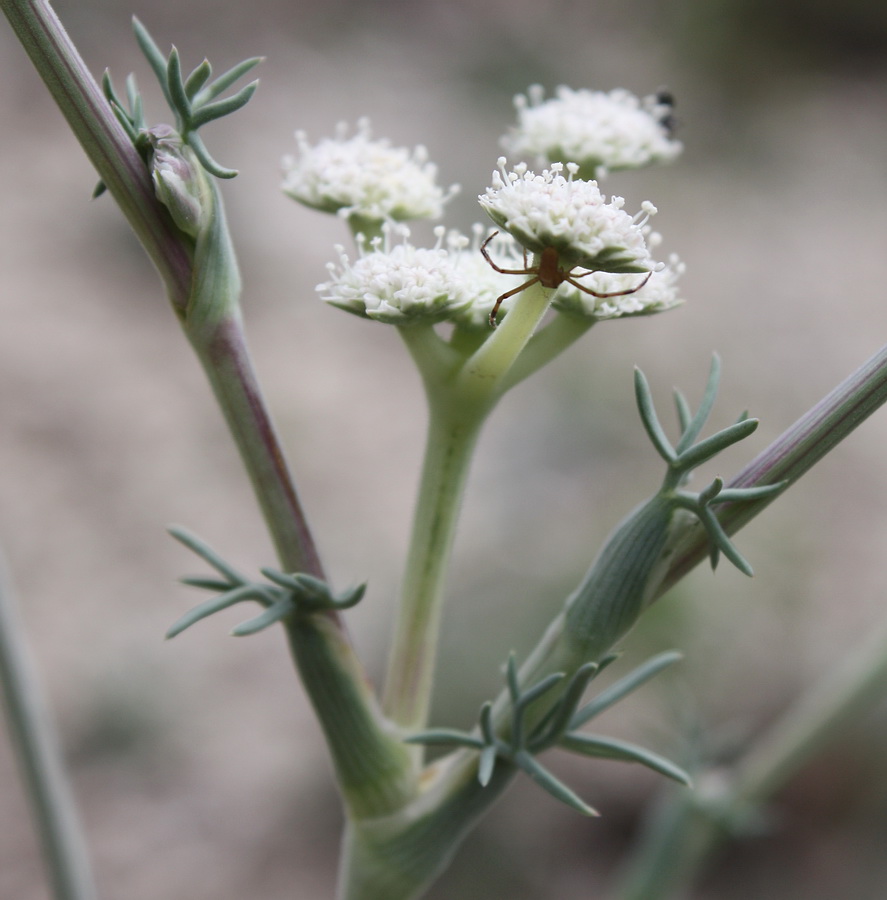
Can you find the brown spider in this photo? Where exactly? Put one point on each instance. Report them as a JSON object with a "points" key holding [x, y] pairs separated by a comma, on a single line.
{"points": [[549, 274]]}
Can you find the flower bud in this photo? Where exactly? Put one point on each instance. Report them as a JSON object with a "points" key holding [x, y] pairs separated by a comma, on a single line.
{"points": [[180, 181]]}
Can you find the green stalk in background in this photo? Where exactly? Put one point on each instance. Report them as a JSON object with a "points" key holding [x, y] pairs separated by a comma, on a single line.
{"points": [[686, 828], [40, 759]]}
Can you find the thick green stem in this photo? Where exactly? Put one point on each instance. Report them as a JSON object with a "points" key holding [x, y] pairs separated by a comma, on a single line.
{"points": [[398, 857], [34, 740], [229, 369], [560, 333], [486, 372], [450, 443], [461, 393], [372, 763], [604, 607]]}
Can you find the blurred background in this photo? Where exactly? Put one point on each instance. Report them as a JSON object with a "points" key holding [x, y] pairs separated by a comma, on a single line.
{"points": [[197, 763]]}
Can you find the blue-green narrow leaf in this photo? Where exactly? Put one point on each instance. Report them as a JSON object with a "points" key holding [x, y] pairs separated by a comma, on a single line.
{"points": [[556, 722], [206, 584], [486, 764], [625, 686], [486, 723], [649, 418], [273, 614], [152, 53], [611, 748], [198, 78], [207, 113], [685, 416], [549, 783], [226, 79], [208, 163], [691, 431], [206, 553], [711, 446], [180, 103], [214, 605], [731, 495], [719, 539], [537, 690], [440, 737]]}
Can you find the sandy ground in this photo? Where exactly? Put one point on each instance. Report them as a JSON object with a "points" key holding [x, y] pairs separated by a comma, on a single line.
{"points": [[198, 765]]}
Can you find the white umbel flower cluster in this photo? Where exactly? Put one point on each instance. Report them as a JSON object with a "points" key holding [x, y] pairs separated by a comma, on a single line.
{"points": [[597, 130], [399, 283], [570, 215], [658, 294], [366, 178]]}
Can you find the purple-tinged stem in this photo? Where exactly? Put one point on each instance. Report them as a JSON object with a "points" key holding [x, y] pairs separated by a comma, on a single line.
{"points": [[108, 147], [794, 452]]}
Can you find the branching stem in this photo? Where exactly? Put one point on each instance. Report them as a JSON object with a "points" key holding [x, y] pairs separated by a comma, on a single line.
{"points": [[461, 393]]}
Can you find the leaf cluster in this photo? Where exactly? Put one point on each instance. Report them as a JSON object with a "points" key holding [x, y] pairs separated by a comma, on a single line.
{"points": [[283, 595], [686, 455], [521, 746], [193, 99]]}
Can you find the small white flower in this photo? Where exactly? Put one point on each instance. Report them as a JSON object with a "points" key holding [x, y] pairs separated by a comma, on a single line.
{"points": [[599, 131], [570, 215], [398, 284], [486, 285], [658, 294], [362, 177]]}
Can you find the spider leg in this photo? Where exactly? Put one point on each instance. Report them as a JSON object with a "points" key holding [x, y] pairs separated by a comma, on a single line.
{"points": [[601, 296], [486, 256], [507, 294]]}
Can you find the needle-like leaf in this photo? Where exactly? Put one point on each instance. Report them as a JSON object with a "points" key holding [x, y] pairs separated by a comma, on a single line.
{"points": [[214, 605], [624, 687], [611, 748], [649, 418], [549, 783], [225, 80], [273, 614], [691, 431]]}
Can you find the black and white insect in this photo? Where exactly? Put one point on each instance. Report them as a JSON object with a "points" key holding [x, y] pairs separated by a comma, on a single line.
{"points": [[664, 111]]}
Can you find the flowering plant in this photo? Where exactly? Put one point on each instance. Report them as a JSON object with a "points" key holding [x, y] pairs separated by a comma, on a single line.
{"points": [[478, 315]]}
